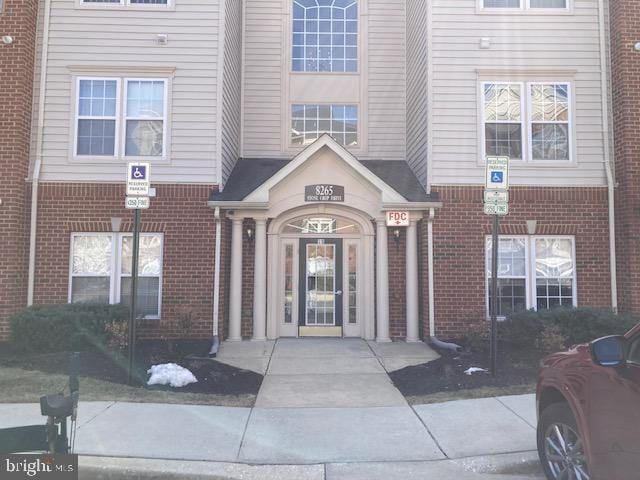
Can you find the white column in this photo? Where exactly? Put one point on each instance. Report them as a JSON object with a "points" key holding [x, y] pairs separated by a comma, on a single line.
{"points": [[260, 282], [235, 293], [382, 282], [413, 334]]}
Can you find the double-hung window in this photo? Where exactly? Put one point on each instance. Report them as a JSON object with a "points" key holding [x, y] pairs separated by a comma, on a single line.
{"points": [[533, 272], [106, 113], [101, 270], [503, 119], [549, 121], [527, 121], [524, 4]]}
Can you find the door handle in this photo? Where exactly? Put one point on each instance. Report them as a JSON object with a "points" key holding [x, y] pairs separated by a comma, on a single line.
{"points": [[339, 292]]}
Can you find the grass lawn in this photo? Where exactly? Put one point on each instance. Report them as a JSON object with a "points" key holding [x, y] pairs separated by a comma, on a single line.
{"points": [[466, 394], [18, 385]]}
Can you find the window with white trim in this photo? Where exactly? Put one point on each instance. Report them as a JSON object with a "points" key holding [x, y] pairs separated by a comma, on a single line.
{"points": [[101, 270], [503, 119], [547, 114], [525, 4], [309, 122], [96, 126], [144, 118], [325, 36], [127, 2], [549, 121], [104, 114], [533, 272]]}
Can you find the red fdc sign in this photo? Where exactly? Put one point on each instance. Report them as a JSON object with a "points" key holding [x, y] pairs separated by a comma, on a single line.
{"points": [[397, 219]]}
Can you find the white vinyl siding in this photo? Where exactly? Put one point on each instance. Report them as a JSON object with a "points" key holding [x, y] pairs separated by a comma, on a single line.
{"points": [[122, 42], [263, 109], [417, 88], [100, 270], [232, 88], [523, 48], [386, 51]]}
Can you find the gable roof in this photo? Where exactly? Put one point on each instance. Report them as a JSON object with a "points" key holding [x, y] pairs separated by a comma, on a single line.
{"points": [[252, 174]]}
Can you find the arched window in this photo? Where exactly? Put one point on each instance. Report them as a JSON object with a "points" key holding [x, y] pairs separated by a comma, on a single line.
{"points": [[325, 36], [320, 225]]}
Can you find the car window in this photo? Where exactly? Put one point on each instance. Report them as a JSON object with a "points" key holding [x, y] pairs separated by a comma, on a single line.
{"points": [[634, 350]]}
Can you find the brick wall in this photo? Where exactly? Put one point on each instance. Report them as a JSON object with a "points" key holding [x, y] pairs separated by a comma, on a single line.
{"points": [[625, 32], [248, 262], [397, 283], [180, 212], [17, 19], [460, 228]]}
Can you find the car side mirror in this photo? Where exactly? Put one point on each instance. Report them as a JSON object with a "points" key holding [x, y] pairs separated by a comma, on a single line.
{"points": [[608, 351]]}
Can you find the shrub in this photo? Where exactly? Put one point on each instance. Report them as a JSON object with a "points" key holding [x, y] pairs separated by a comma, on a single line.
{"points": [[476, 337], [117, 332], [521, 330], [51, 328], [572, 325]]}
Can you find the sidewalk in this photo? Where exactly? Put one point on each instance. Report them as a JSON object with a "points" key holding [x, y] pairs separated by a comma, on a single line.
{"points": [[326, 409], [351, 442]]}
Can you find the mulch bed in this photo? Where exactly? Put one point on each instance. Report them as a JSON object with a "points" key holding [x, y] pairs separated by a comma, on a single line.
{"points": [[213, 377], [446, 374]]}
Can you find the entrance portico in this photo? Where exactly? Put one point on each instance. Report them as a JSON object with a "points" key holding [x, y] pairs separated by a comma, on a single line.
{"points": [[321, 244]]}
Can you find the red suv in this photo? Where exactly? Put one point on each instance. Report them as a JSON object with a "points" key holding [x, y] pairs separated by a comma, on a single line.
{"points": [[588, 402]]}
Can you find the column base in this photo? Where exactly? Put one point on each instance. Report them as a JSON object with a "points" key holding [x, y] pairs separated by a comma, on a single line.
{"points": [[258, 339], [413, 340], [383, 340], [231, 339]]}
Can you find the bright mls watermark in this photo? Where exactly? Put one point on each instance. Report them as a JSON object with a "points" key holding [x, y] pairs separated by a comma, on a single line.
{"points": [[51, 467]]}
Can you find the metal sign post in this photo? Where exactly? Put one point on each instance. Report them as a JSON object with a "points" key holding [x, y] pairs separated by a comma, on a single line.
{"points": [[138, 198], [134, 295], [494, 293], [496, 204]]}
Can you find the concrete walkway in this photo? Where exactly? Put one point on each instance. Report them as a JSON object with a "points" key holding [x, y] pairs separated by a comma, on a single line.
{"points": [[352, 442], [326, 409]]}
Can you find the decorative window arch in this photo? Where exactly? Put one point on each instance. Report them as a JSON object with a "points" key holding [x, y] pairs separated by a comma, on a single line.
{"points": [[325, 36]]}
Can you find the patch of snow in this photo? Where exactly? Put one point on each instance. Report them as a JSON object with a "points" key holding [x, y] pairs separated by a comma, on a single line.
{"points": [[472, 370], [170, 374]]}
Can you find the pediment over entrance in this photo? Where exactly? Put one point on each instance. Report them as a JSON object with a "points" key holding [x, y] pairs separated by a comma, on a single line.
{"points": [[370, 185]]}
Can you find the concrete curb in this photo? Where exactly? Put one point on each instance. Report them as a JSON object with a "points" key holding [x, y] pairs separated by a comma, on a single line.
{"points": [[515, 466]]}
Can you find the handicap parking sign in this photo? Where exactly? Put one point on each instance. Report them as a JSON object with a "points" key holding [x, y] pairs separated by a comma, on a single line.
{"points": [[138, 179], [497, 177], [497, 173], [138, 172]]}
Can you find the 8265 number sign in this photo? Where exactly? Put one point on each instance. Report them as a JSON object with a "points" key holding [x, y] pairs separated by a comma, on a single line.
{"points": [[324, 193]]}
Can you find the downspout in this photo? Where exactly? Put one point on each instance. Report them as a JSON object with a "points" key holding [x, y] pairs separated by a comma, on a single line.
{"points": [[607, 157], [432, 315], [38, 161], [432, 318], [216, 286]]}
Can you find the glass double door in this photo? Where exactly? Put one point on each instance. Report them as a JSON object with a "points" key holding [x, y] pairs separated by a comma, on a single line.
{"points": [[320, 287]]}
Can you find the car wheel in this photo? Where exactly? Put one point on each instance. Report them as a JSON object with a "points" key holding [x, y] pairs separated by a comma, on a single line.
{"points": [[560, 444]]}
